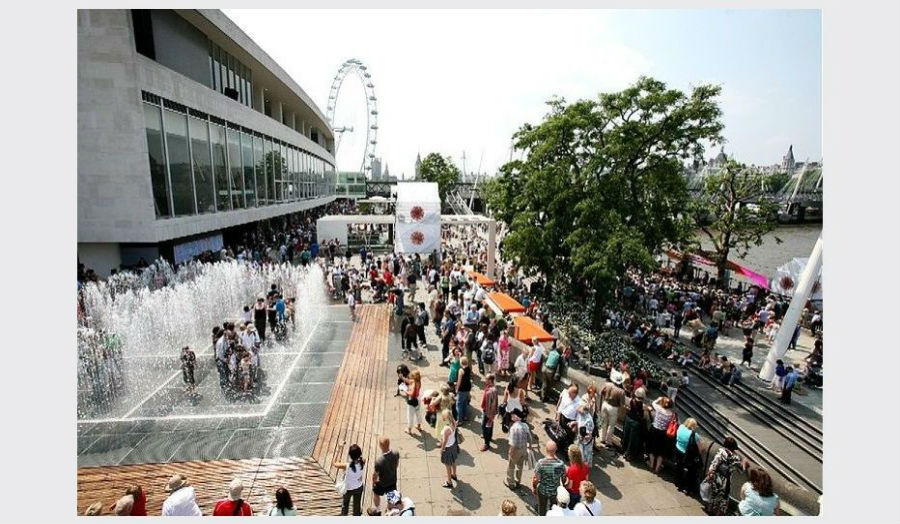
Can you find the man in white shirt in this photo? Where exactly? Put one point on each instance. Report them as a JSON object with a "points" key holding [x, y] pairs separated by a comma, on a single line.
{"points": [[249, 338], [182, 501], [561, 508]]}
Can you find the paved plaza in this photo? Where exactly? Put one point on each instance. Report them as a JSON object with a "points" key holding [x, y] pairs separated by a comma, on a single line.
{"points": [[623, 488]]}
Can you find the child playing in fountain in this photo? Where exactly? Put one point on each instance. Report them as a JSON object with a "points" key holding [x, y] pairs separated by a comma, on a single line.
{"points": [[245, 373], [188, 361]]}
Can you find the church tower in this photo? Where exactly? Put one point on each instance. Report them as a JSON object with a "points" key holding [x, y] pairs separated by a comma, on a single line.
{"points": [[418, 165], [787, 163]]}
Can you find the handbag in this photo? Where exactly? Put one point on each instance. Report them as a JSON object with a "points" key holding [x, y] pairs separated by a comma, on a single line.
{"points": [[672, 429], [341, 485], [705, 491]]}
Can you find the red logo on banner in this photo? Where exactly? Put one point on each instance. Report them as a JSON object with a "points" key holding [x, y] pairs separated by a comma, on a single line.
{"points": [[417, 213], [417, 237], [786, 283]]}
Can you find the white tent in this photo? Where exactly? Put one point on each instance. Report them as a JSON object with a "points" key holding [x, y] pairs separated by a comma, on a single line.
{"points": [[418, 209], [786, 277]]}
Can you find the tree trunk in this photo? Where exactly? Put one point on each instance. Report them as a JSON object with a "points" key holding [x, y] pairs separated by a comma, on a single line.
{"points": [[721, 270]]}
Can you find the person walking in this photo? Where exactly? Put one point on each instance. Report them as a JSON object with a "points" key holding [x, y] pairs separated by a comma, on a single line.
{"points": [[687, 456], [519, 441], [635, 426], [354, 478], [747, 353], [259, 318], [612, 398], [503, 354], [413, 396], [534, 362], [233, 505], [188, 363], [421, 322], [463, 390], [450, 441], [549, 373], [658, 443], [384, 478], [488, 410], [585, 431], [790, 380], [725, 462], [577, 472], [548, 474], [284, 505]]}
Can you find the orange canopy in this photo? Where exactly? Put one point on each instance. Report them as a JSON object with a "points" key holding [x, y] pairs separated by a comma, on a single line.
{"points": [[527, 328], [506, 303], [482, 280]]}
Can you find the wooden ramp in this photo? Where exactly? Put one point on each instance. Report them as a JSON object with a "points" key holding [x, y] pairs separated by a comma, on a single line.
{"points": [[355, 412], [354, 415], [312, 489]]}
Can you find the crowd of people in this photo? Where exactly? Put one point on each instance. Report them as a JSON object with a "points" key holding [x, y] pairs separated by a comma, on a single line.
{"points": [[473, 336]]}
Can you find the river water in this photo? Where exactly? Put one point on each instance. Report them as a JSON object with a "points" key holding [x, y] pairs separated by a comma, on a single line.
{"points": [[796, 241]]}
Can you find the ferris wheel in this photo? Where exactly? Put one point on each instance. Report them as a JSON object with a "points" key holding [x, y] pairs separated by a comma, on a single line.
{"points": [[356, 67]]}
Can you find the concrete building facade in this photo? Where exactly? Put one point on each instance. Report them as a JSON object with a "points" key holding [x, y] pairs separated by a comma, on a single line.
{"points": [[186, 128]]}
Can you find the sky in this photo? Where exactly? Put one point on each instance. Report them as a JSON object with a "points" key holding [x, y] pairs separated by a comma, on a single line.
{"points": [[463, 81]]}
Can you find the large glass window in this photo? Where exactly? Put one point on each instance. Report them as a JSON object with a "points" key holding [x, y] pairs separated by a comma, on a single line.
{"points": [[220, 166], [289, 183], [237, 169], [297, 191], [179, 163], [217, 69], [272, 166], [260, 158], [279, 186], [157, 157], [203, 177], [249, 179]]}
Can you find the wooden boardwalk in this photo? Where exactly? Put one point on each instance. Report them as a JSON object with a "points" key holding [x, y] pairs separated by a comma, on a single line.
{"points": [[354, 415], [355, 412]]}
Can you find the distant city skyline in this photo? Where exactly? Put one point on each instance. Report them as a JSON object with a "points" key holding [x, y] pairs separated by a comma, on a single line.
{"points": [[454, 81]]}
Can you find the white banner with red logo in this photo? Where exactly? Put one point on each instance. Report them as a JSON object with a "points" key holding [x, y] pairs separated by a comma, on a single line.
{"points": [[418, 220], [786, 278]]}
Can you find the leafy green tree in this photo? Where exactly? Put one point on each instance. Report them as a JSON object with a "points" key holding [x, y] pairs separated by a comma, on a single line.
{"points": [[600, 188], [776, 181], [436, 168], [733, 213]]}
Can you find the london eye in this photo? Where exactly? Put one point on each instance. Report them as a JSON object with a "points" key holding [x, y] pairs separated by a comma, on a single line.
{"points": [[356, 69]]}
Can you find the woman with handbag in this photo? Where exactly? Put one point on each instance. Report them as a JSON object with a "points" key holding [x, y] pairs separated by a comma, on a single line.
{"points": [[353, 481], [658, 443], [513, 399], [718, 477], [450, 440], [687, 456], [413, 401]]}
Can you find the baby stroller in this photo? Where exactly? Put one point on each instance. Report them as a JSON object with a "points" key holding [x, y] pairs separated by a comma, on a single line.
{"points": [[560, 436]]}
